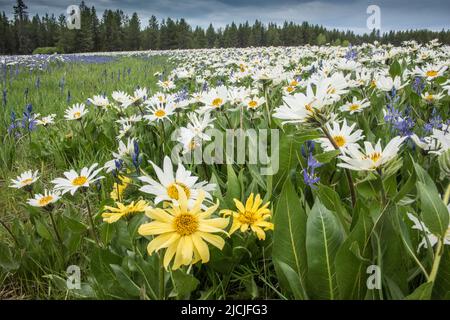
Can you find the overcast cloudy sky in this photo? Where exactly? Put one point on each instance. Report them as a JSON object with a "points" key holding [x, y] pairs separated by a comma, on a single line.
{"points": [[342, 14]]}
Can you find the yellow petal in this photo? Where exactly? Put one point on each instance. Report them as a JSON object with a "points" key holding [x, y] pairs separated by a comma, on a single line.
{"points": [[208, 212], [155, 227], [239, 205], [213, 239], [259, 232], [249, 203], [201, 247], [110, 217], [170, 252], [235, 226], [159, 214], [162, 241]]}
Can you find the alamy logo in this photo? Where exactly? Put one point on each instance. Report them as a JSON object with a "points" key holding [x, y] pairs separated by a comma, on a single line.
{"points": [[374, 279], [73, 277], [73, 17], [374, 20]]}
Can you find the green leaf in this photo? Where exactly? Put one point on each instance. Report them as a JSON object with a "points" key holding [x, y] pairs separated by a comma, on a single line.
{"points": [[434, 212], [43, 231], [327, 156], [125, 281], [7, 261], [425, 178], [350, 269], [332, 201], [233, 186], [184, 284], [289, 236], [441, 287], [324, 235], [289, 145], [292, 279], [395, 69], [422, 292]]}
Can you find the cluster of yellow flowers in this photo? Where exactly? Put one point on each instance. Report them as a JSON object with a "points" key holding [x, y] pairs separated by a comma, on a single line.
{"points": [[185, 230]]}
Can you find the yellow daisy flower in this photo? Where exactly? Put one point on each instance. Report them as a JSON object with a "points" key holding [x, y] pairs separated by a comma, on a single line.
{"points": [[184, 231], [251, 215], [122, 210]]}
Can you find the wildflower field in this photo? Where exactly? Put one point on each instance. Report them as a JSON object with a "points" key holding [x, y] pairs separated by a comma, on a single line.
{"points": [[314, 172]]}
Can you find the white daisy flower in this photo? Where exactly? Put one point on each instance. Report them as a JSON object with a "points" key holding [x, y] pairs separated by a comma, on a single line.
{"points": [[166, 85], [373, 157], [430, 71], [430, 98], [165, 189], [45, 121], [43, 200], [299, 107], [342, 136], [74, 181], [25, 179], [214, 99], [99, 101], [254, 103], [355, 106], [159, 112], [76, 112]]}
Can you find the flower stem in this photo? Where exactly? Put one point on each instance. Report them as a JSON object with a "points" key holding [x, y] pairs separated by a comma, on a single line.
{"points": [[58, 236], [348, 174], [9, 231], [91, 222], [437, 260]]}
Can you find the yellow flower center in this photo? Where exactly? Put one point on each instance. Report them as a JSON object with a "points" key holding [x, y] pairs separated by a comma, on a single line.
{"points": [[77, 115], [160, 113], [217, 102], [432, 73], [290, 89], [252, 104], [331, 90], [375, 156], [27, 181], [45, 201], [185, 224], [309, 107], [373, 84], [172, 190], [339, 140], [429, 97], [192, 144], [79, 181], [293, 83], [354, 107], [161, 98], [247, 217]]}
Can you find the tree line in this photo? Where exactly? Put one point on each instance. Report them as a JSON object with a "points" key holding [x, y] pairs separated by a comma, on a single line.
{"points": [[116, 31]]}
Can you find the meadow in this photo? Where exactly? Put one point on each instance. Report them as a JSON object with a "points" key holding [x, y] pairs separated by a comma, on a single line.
{"points": [[112, 185]]}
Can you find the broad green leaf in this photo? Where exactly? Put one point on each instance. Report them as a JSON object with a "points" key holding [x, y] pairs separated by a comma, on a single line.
{"points": [[332, 201], [425, 178], [434, 212], [184, 284], [125, 281], [423, 292], [324, 235], [289, 145], [289, 236], [351, 270], [43, 231], [292, 279], [395, 69]]}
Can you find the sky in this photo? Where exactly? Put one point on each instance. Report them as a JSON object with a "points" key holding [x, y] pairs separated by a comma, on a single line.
{"points": [[340, 14]]}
